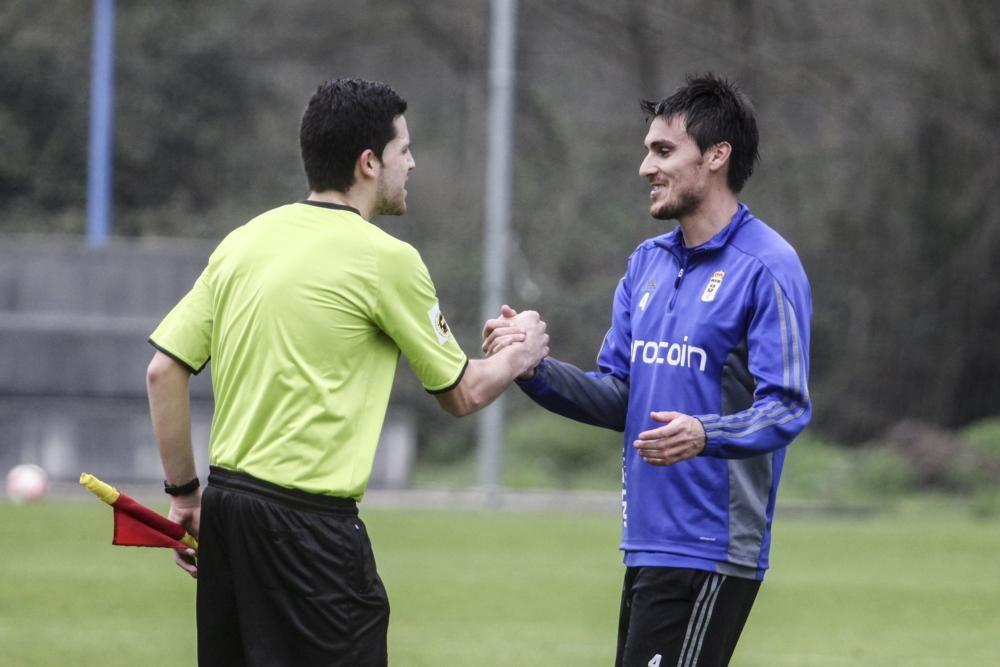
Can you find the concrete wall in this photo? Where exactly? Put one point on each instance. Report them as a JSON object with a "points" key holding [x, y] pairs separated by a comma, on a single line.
{"points": [[73, 354]]}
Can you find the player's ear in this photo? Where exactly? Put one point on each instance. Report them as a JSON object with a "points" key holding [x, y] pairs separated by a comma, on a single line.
{"points": [[718, 155]]}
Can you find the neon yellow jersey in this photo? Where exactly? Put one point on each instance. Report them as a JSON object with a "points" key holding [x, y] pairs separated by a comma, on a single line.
{"points": [[304, 311]]}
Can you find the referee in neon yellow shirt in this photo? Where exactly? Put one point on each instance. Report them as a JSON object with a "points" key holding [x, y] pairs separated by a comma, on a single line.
{"points": [[303, 312]]}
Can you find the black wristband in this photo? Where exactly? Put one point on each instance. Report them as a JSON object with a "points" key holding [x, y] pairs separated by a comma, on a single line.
{"points": [[181, 489]]}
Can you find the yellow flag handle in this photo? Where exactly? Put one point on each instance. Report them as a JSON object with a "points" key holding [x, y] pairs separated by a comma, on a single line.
{"points": [[189, 540], [105, 492]]}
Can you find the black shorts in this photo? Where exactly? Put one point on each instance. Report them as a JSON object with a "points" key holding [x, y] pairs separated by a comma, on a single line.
{"points": [[286, 578], [676, 616]]}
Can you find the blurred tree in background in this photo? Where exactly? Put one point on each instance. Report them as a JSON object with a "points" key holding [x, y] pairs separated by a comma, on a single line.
{"points": [[879, 141]]}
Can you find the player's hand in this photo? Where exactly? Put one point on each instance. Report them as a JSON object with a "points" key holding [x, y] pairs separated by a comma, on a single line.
{"points": [[186, 510], [536, 342], [682, 438]]}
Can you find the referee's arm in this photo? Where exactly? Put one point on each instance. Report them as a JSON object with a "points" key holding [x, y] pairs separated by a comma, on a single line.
{"points": [[485, 379], [167, 385]]}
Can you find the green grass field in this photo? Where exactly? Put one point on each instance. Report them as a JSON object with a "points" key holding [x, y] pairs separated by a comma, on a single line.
{"points": [[521, 590]]}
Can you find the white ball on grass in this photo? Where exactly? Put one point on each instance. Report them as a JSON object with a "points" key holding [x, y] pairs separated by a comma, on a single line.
{"points": [[27, 483]]}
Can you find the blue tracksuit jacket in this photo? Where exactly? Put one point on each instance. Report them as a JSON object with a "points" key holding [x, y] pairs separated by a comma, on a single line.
{"points": [[720, 332]]}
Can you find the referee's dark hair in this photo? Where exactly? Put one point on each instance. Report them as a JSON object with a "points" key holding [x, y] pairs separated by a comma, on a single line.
{"points": [[343, 118], [715, 110]]}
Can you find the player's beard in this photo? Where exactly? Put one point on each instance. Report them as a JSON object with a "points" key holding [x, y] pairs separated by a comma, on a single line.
{"points": [[685, 203]]}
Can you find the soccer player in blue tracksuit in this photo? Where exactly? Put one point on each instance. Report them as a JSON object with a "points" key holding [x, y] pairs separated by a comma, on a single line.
{"points": [[705, 369]]}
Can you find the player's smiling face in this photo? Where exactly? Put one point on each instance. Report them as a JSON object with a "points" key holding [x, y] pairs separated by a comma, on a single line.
{"points": [[396, 164], [675, 169]]}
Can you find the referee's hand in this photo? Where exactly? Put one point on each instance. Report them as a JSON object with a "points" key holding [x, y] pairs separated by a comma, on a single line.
{"points": [[186, 510], [514, 328], [501, 331]]}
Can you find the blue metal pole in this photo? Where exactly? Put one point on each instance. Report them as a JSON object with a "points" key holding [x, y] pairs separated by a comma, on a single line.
{"points": [[101, 124]]}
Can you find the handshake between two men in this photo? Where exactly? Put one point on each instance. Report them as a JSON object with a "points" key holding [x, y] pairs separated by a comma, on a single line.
{"points": [[680, 438]]}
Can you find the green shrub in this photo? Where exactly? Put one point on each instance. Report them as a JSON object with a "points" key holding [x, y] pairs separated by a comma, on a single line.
{"points": [[983, 437], [545, 450], [884, 473], [817, 471]]}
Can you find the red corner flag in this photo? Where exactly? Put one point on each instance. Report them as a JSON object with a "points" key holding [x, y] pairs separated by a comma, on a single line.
{"points": [[135, 524]]}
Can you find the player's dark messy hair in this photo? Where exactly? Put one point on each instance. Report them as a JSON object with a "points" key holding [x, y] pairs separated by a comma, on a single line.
{"points": [[343, 118], [715, 110]]}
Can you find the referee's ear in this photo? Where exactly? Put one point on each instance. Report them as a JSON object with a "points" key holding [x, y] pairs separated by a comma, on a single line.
{"points": [[367, 166]]}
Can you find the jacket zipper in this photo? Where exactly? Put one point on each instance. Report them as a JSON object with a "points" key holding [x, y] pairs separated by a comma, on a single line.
{"points": [[677, 287]]}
